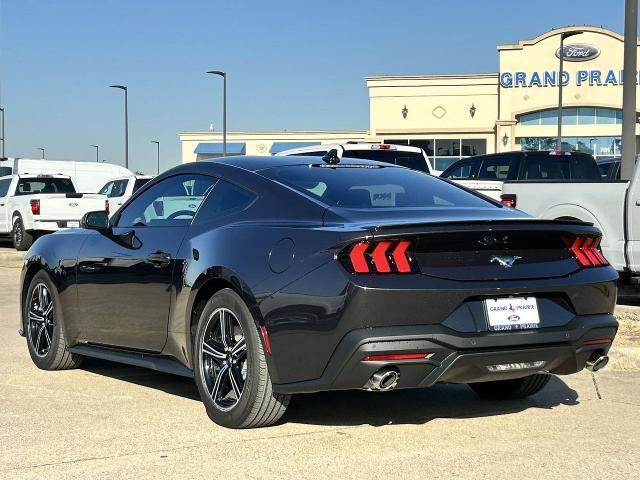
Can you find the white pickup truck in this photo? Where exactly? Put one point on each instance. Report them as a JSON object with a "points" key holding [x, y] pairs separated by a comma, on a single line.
{"points": [[31, 205], [611, 205], [120, 189]]}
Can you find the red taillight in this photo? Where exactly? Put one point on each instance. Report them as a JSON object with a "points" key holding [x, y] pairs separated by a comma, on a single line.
{"points": [[394, 357], [35, 206], [106, 206], [586, 251], [509, 200], [385, 256]]}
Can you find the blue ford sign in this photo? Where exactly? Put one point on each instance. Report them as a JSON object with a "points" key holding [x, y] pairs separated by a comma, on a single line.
{"points": [[579, 52]]}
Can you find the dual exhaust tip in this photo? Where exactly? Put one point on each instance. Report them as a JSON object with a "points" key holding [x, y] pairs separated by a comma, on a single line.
{"points": [[597, 362], [384, 380]]}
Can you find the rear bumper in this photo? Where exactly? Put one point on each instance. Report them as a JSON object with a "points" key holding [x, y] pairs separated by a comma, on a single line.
{"points": [[51, 225], [458, 357]]}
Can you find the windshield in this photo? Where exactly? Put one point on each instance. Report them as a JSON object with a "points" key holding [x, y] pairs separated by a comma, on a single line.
{"points": [[368, 186], [28, 186], [413, 160]]}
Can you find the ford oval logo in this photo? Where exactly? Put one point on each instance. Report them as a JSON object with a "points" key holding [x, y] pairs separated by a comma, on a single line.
{"points": [[73, 204], [579, 52], [513, 318]]}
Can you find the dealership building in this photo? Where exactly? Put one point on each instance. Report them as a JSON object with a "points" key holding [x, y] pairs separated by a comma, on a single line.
{"points": [[452, 116]]}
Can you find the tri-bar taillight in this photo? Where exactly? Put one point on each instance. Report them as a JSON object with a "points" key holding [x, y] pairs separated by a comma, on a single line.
{"points": [[586, 251], [379, 256]]}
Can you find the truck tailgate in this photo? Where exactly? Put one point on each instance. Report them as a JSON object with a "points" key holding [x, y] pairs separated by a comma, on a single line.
{"points": [[70, 206]]}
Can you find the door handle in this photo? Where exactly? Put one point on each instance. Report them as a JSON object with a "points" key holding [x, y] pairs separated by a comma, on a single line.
{"points": [[159, 259]]}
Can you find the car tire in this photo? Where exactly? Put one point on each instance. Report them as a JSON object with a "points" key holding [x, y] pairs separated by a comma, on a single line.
{"points": [[234, 383], [512, 389], [22, 239], [43, 326]]}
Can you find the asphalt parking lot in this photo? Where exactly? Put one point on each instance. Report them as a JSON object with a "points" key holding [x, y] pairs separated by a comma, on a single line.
{"points": [[111, 421]]}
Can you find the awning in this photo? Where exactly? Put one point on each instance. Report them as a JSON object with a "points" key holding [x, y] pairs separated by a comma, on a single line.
{"points": [[235, 148], [278, 147]]}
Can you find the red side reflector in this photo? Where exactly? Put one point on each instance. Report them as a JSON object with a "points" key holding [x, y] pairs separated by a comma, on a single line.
{"points": [[356, 255], [265, 337], [379, 256], [391, 357], [509, 200], [400, 256], [597, 341], [35, 206]]}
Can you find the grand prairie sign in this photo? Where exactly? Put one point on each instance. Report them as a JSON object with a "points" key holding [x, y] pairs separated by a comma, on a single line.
{"points": [[579, 52]]}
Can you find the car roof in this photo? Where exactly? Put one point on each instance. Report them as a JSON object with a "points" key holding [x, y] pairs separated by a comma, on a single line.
{"points": [[347, 146], [256, 163]]}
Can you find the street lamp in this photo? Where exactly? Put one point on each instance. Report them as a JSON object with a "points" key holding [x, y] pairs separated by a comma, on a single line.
{"points": [[222, 74], [2, 131], [97, 152], [42, 150], [126, 122], [563, 35], [158, 153]]}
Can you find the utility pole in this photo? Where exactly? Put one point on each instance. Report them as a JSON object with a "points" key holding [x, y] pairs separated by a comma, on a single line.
{"points": [[628, 161]]}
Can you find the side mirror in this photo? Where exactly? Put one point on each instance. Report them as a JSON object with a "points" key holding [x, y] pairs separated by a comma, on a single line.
{"points": [[98, 220]]}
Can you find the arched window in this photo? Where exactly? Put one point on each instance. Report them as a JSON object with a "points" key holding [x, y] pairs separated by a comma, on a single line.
{"points": [[572, 116]]}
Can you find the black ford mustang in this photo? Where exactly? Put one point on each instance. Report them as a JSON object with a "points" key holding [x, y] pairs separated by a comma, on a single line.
{"points": [[265, 277]]}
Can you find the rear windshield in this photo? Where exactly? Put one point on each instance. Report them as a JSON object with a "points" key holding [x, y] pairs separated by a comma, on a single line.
{"points": [[413, 160], [367, 186], [27, 186], [543, 166]]}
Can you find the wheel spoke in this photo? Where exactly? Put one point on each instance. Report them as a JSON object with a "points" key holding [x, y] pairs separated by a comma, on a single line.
{"points": [[47, 336], [38, 338], [215, 390], [41, 297], [34, 317], [212, 350], [48, 310], [240, 348], [236, 381], [225, 322]]}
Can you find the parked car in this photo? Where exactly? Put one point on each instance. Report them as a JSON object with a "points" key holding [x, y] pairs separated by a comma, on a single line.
{"points": [[486, 173], [88, 177], [31, 205], [279, 276], [120, 189], [403, 155]]}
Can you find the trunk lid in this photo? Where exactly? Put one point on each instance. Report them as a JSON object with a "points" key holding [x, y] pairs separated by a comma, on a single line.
{"points": [[473, 245]]}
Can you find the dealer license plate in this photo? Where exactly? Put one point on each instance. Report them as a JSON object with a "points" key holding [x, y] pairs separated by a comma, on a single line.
{"points": [[73, 224], [515, 313]]}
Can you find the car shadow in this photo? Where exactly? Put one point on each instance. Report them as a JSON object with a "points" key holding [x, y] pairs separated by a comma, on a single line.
{"points": [[355, 407]]}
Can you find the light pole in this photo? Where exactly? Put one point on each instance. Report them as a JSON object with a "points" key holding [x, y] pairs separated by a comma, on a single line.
{"points": [[158, 153], [2, 131], [97, 147], [563, 35], [126, 122], [42, 150], [222, 74], [629, 120]]}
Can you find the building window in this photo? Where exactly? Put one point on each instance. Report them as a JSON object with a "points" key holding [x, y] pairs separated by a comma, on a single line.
{"points": [[446, 151], [573, 116], [596, 146]]}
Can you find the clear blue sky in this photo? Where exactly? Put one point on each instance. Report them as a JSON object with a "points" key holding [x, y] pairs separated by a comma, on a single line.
{"points": [[292, 64]]}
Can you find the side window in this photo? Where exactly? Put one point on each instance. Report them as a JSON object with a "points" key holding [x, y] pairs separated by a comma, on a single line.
{"points": [[172, 202], [118, 188], [225, 199], [139, 183], [462, 170], [4, 187], [496, 168], [106, 190]]}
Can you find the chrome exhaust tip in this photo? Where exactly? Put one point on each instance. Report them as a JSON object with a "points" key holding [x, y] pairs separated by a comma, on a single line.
{"points": [[384, 380], [597, 362]]}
